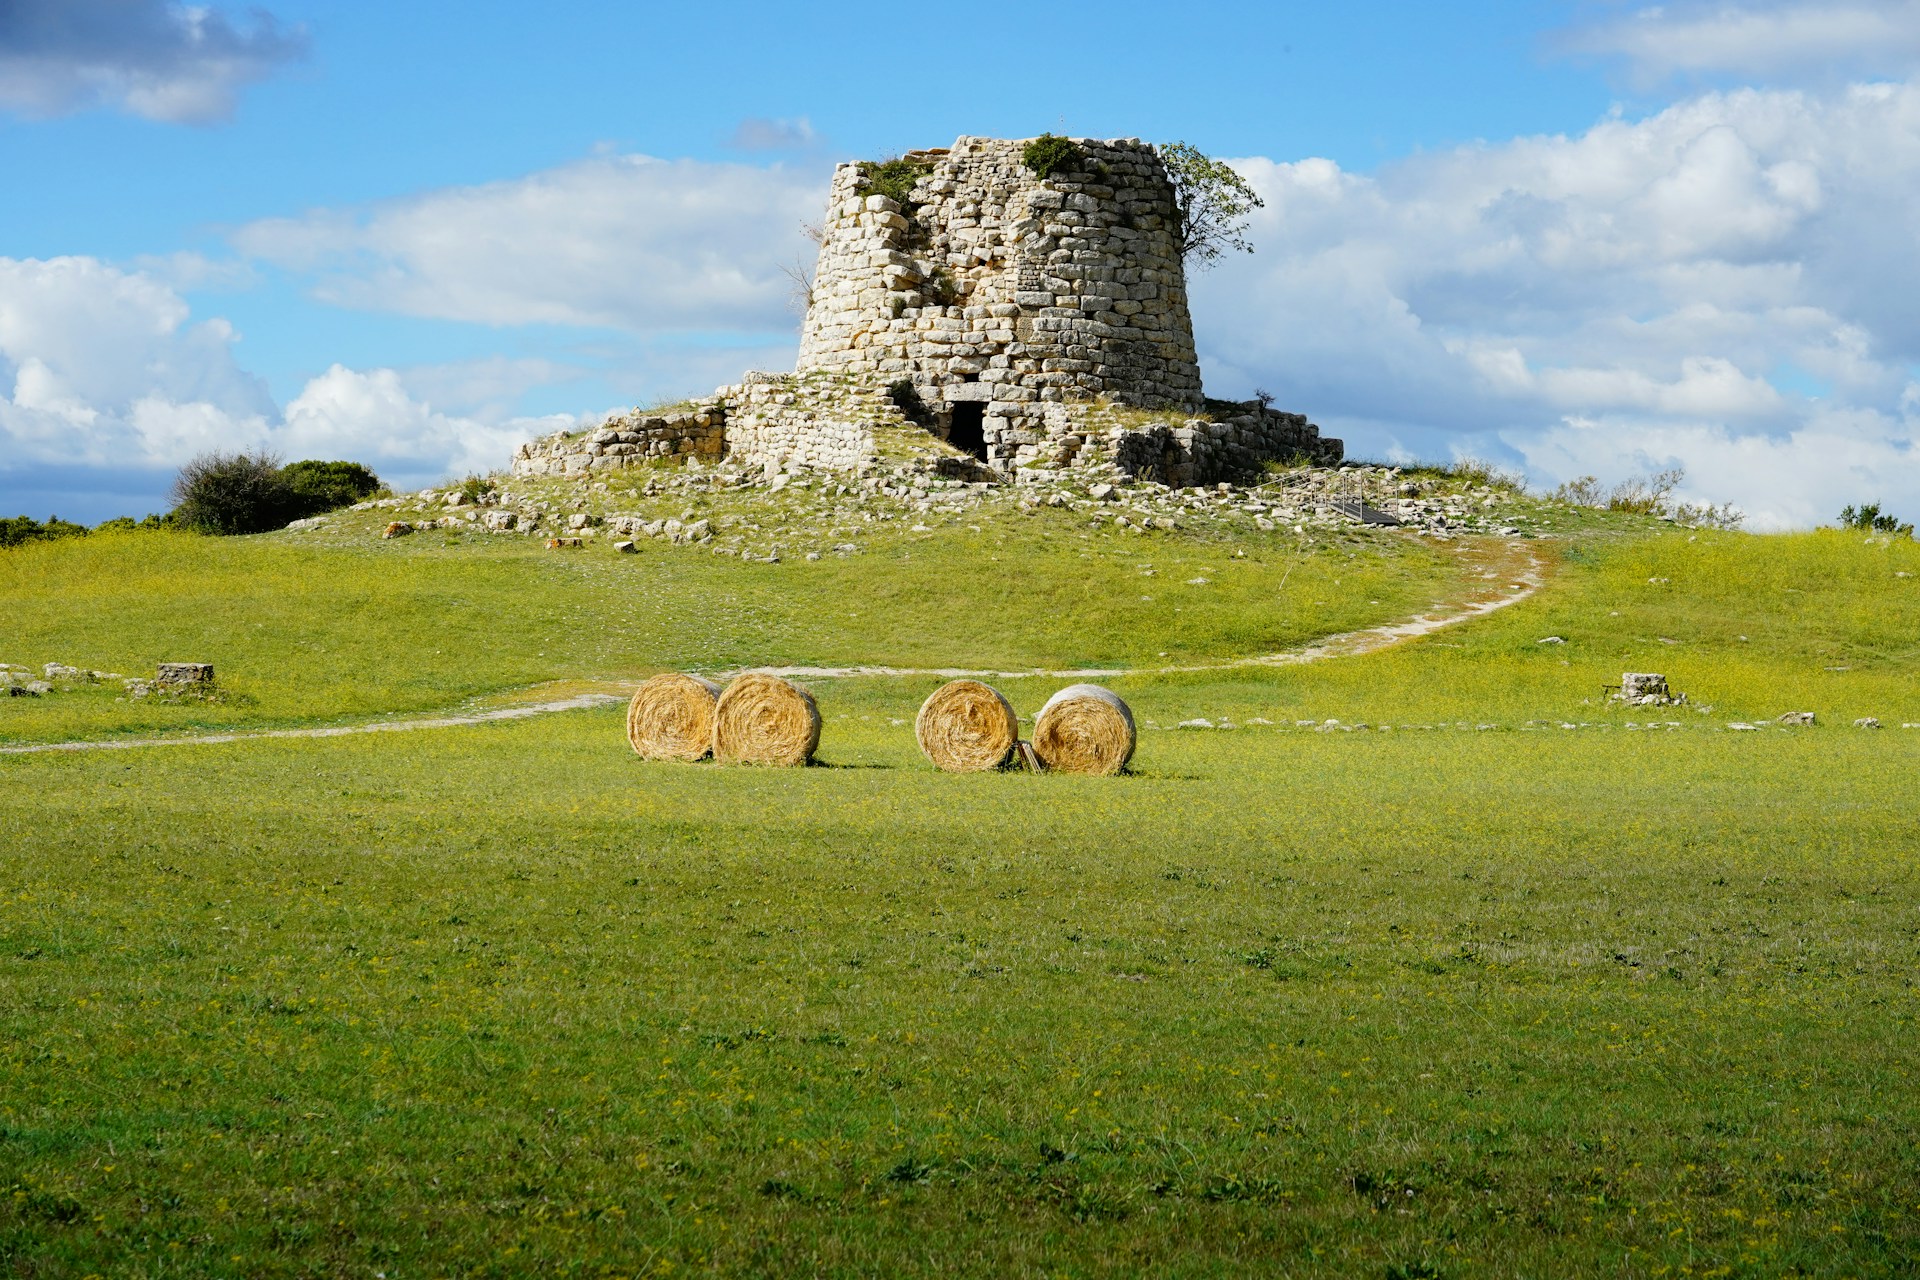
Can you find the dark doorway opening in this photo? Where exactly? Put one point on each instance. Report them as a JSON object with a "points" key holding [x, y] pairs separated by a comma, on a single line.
{"points": [[966, 429]]}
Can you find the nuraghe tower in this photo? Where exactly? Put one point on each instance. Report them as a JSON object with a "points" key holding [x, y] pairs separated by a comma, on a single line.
{"points": [[1021, 311]]}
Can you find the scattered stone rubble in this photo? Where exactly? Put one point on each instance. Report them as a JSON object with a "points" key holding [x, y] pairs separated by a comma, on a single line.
{"points": [[188, 678], [730, 506]]}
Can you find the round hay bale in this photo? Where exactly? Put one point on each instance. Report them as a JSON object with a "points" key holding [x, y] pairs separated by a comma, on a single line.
{"points": [[671, 717], [1084, 729], [966, 727], [763, 719]]}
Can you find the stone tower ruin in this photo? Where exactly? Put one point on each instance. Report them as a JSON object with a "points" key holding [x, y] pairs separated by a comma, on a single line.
{"points": [[995, 291], [1032, 321]]}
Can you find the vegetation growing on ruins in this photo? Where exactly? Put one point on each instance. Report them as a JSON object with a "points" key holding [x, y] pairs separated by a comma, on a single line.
{"points": [[895, 177], [1049, 154], [1212, 202]]}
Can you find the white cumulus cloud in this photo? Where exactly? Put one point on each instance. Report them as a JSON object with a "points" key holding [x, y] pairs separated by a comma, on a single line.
{"points": [[106, 369], [1732, 275], [106, 366], [621, 242], [370, 417], [179, 63]]}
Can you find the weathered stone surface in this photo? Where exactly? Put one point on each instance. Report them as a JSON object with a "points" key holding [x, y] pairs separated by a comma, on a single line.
{"points": [[1635, 685], [184, 673], [1797, 717], [1032, 318]]}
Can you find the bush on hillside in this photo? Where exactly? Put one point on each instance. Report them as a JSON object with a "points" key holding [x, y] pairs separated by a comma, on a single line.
{"points": [[1650, 496], [18, 530], [222, 493], [327, 486], [1868, 518], [477, 489], [229, 493], [127, 524]]}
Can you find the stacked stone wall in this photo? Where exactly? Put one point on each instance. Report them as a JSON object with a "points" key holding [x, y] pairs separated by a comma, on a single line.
{"points": [[791, 422], [631, 440], [1233, 442], [992, 285], [1040, 322], [1226, 448], [778, 421]]}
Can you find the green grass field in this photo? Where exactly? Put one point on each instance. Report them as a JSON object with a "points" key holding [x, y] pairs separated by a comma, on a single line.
{"points": [[1425, 1000]]}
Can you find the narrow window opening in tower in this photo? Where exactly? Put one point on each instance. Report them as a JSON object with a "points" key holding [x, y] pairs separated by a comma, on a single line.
{"points": [[966, 430]]}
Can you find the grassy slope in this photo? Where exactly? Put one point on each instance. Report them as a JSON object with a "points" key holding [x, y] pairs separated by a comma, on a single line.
{"points": [[503, 1000], [302, 632], [1752, 626]]}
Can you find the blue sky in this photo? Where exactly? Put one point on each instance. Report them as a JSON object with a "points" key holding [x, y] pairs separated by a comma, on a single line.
{"points": [[1576, 238]]}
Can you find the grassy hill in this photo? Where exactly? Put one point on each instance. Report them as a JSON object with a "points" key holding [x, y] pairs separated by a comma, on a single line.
{"points": [[1467, 993]]}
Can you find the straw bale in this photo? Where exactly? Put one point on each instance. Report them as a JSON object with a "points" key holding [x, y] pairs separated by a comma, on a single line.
{"points": [[1084, 728], [671, 717], [966, 726], [762, 719]]}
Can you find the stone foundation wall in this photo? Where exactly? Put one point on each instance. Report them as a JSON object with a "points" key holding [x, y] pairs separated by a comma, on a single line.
{"points": [[780, 421], [1176, 450], [832, 422], [1228, 448], [791, 422], [632, 440]]}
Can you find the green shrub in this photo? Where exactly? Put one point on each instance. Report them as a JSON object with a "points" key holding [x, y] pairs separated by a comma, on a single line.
{"points": [[223, 493], [314, 486], [474, 488], [18, 530], [230, 493], [1868, 518], [894, 177], [1652, 496], [127, 524], [1049, 154]]}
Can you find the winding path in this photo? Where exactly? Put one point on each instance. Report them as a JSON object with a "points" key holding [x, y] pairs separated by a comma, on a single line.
{"points": [[577, 703], [1511, 572]]}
